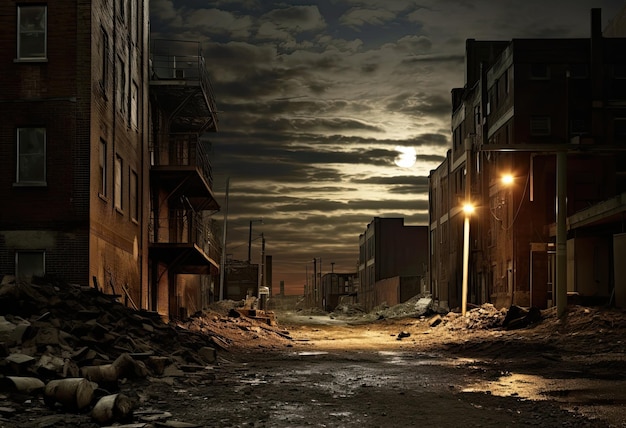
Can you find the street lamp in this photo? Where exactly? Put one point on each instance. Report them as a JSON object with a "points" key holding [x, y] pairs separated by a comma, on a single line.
{"points": [[468, 209], [507, 179]]}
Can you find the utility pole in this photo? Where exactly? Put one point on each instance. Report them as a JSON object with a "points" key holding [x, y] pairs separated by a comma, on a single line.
{"points": [[314, 280], [262, 267], [223, 259], [250, 239]]}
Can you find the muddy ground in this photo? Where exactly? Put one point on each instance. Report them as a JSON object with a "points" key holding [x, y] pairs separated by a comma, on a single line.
{"points": [[344, 371]]}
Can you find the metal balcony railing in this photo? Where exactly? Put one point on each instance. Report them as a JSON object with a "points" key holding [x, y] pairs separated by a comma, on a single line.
{"points": [[181, 60], [182, 150], [185, 227]]}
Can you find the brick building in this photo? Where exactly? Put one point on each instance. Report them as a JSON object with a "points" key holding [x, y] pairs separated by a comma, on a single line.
{"points": [[525, 100], [393, 260], [75, 172]]}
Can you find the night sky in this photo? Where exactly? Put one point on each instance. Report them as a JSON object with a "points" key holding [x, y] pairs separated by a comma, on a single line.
{"points": [[318, 100]]}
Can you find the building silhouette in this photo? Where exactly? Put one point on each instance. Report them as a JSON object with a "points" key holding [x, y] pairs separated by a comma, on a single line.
{"points": [[393, 260], [523, 101]]}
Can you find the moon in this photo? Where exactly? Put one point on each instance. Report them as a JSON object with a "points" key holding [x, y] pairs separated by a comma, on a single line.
{"points": [[406, 156]]}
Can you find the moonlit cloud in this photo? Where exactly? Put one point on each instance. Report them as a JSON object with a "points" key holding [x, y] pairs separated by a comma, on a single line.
{"points": [[314, 98]]}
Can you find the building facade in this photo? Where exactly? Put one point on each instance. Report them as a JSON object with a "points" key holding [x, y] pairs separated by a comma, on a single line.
{"points": [[523, 102], [389, 249], [73, 141], [80, 147]]}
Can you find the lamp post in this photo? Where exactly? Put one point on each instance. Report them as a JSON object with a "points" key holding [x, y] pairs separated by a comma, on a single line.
{"points": [[468, 209]]}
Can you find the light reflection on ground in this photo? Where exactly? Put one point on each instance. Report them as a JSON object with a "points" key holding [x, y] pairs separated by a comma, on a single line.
{"points": [[586, 396]]}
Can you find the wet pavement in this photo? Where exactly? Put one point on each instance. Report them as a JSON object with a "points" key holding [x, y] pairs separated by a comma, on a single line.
{"points": [[372, 389]]}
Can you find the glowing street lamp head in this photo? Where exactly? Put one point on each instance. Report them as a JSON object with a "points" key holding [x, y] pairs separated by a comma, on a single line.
{"points": [[507, 179], [468, 208]]}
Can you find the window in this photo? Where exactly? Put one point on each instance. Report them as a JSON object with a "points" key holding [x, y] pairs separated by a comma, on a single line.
{"points": [[31, 38], [29, 264], [578, 71], [619, 127], [134, 191], [134, 105], [104, 59], [580, 124], [540, 125], [31, 156], [118, 183], [120, 89], [102, 176], [619, 71]]}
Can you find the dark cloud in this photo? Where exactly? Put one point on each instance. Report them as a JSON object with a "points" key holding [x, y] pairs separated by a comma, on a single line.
{"points": [[314, 98]]}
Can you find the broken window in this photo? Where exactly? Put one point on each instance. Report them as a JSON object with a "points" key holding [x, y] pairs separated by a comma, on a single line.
{"points": [[120, 90], [134, 105], [31, 37], [29, 264], [31, 156]]}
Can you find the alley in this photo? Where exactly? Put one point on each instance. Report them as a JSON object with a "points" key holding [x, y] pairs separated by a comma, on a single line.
{"points": [[338, 374]]}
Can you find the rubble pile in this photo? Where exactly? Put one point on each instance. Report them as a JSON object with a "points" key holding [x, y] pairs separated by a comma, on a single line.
{"points": [[348, 310], [483, 317], [71, 347], [415, 307], [236, 332]]}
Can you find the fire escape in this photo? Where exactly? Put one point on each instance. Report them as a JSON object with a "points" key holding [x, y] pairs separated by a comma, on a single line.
{"points": [[181, 181]]}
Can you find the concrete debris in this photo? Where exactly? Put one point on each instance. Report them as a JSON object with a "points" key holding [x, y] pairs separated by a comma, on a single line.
{"points": [[72, 347], [485, 316], [518, 317], [414, 307], [435, 320], [403, 334]]}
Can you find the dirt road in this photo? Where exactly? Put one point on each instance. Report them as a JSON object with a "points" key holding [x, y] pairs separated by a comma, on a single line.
{"points": [[318, 371], [343, 374]]}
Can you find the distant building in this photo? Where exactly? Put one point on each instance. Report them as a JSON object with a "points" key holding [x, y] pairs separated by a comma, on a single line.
{"points": [[241, 280], [103, 177], [336, 288], [393, 260], [523, 101]]}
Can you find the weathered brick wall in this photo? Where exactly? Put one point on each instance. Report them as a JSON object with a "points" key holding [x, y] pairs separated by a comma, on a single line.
{"points": [[64, 95]]}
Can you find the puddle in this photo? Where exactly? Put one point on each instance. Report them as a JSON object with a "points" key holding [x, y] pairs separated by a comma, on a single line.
{"points": [[537, 388], [422, 359], [311, 353]]}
